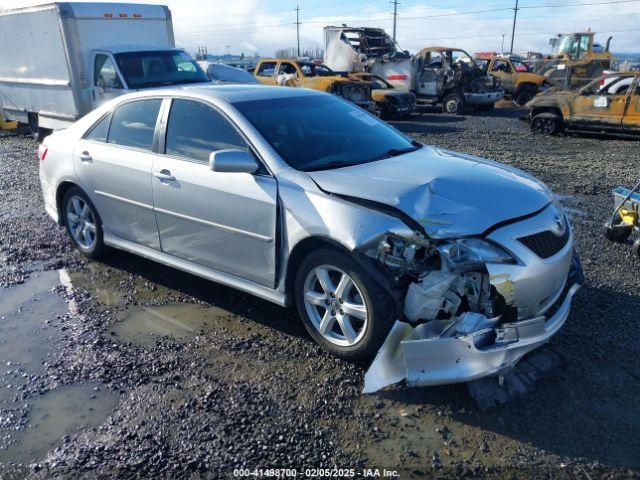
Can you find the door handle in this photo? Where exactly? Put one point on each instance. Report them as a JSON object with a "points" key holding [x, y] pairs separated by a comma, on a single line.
{"points": [[164, 175], [85, 157]]}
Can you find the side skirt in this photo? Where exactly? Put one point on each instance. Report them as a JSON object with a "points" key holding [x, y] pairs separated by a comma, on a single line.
{"points": [[198, 270]]}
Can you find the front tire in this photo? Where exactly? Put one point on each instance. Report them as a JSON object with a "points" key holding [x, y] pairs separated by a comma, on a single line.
{"points": [[546, 123], [83, 223], [342, 307], [453, 104]]}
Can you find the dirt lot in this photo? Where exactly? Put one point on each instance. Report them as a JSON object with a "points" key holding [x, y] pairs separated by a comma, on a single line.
{"points": [[128, 368]]}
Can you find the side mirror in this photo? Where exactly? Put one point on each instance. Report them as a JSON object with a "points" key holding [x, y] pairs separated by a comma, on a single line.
{"points": [[232, 161]]}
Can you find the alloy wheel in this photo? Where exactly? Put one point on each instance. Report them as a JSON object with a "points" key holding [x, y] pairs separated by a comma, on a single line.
{"points": [[81, 222], [335, 305]]}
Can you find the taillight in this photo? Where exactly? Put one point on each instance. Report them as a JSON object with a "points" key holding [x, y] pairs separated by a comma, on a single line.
{"points": [[397, 77], [42, 152]]}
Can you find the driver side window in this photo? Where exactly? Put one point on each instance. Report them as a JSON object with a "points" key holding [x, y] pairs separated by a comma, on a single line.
{"points": [[105, 74], [501, 66]]}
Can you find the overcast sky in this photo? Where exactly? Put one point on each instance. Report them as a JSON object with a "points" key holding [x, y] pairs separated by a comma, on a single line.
{"points": [[263, 26]]}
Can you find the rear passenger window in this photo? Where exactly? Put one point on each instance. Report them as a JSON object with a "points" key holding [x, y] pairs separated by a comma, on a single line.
{"points": [[133, 124], [195, 130], [99, 131]]}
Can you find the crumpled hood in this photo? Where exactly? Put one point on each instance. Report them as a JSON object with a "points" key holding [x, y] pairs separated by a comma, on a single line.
{"points": [[449, 194]]}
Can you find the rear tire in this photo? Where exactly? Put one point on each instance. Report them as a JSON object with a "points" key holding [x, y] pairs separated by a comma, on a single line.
{"points": [[453, 104], [526, 94], [342, 307], [83, 223]]}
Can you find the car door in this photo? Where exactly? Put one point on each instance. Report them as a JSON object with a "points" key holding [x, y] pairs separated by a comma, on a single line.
{"points": [[504, 71], [631, 119], [600, 111], [226, 221], [289, 75], [107, 82], [432, 74], [114, 161], [266, 72]]}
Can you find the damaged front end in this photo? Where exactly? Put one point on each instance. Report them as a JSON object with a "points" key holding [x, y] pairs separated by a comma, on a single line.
{"points": [[474, 306], [358, 93]]}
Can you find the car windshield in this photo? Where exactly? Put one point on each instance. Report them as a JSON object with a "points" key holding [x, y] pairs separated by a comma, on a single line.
{"points": [[158, 68], [223, 73], [320, 132]]}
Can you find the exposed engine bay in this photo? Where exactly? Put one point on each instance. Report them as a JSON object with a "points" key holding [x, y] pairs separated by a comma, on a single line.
{"points": [[458, 322]]}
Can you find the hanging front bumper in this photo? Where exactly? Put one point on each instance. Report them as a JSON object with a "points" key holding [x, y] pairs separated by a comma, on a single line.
{"points": [[432, 354]]}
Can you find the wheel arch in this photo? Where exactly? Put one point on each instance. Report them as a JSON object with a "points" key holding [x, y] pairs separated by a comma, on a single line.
{"points": [[525, 84], [301, 250], [61, 191], [307, 245], [536, 110]]}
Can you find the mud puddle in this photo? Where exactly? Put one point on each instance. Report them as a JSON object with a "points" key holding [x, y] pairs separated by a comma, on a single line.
{"points": [[179, 322], [33, 318], [60, 412]]}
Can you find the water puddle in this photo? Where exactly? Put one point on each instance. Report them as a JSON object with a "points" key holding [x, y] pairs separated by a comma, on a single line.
{"points": [[144, 325], [31, 318], [60, 412]]}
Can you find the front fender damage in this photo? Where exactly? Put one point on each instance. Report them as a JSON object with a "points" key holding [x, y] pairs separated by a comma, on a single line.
{"points": [[456, 325]]}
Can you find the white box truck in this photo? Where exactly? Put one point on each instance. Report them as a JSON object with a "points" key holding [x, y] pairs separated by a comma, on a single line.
{"points": [[61, 60]]}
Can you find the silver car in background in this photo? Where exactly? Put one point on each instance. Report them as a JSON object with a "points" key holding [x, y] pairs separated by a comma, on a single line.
{"points": [[443, 266]]}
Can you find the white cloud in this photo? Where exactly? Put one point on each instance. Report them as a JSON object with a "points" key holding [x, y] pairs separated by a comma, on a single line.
{"points": [[250, 25]]}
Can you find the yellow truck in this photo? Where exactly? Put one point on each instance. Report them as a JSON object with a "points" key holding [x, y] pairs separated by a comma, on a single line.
{"points": [[610, 104], [576, 59], [516, 80], [294, 73]]}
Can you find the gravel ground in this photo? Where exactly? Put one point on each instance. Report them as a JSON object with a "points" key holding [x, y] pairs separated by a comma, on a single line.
{"points": [[238, 384]]}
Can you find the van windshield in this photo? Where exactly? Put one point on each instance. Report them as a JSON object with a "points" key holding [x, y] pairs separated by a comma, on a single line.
{"points": [[321, 132], [158, 68]]}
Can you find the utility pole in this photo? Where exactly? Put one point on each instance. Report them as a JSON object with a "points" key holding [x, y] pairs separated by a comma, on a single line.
{"points": [[298, 27], [228, 51], [502, 51], [395, 18], [513, 30]]}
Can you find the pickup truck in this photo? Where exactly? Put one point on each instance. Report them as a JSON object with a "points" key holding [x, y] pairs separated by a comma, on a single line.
{"points": [[516, 80], [294, 73], [61, 60]]}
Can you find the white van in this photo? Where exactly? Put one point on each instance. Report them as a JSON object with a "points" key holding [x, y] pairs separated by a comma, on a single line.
{"points": [[61, 60]]}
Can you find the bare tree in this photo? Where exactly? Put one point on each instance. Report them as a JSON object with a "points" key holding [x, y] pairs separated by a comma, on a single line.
{"points": [[314, 53]]}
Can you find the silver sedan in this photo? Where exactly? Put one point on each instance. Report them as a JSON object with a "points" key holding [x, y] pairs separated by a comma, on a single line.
{"points": [[443, 266]]}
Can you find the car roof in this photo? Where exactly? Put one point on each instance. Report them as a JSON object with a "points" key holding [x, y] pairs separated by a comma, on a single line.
{"points": [[229, 93]]}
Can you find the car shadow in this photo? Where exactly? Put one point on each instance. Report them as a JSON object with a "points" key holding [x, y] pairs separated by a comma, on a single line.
{"points": [[285, 320], [590, 410]]}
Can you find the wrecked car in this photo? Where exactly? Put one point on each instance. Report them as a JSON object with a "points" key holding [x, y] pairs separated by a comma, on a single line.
{"points": [[390, 102], [610, 105], [293, 73], [437, 76], [443, 266], [517, 82]]}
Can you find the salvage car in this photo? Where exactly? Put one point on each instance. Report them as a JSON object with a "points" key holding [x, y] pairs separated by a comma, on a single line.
{"points": [[390, 102], [515, 79], [300, 197], [607, 105], [437, 76], [293, 73]]}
